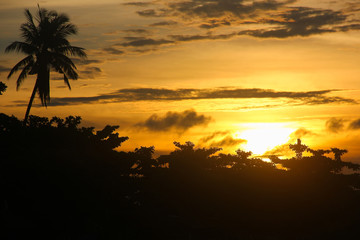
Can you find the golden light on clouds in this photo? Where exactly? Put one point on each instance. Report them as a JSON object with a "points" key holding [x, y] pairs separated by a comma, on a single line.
{"points": [[262, 71]]}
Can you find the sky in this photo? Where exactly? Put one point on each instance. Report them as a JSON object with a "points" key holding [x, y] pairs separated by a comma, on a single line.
{"points": [[254, 75]]}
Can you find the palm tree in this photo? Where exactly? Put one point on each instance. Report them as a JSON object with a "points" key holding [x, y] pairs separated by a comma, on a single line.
{"points": [[47, 49]]}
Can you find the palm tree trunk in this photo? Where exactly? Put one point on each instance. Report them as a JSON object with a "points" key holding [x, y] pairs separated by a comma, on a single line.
{"points": [[30, 103]]}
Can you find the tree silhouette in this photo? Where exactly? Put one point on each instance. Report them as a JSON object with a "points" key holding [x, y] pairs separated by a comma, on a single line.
{"points": [[47, 49], [298, 148], [338, 153], [318, 153], [2, 87]]}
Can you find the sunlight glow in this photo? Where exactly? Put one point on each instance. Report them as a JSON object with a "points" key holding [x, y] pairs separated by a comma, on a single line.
{"points": [[262, 137]]}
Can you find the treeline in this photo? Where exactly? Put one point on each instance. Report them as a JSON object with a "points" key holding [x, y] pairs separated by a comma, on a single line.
{"points": [[63, 181]]}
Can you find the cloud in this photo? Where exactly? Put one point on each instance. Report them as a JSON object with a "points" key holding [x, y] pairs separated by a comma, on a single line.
{"points": [[228, 141], [355, 125], [137, 30], [180, 121], [153, 13], [163, 94], [214, 23], [221, 139], [221, 8], [140, 42], [163, 23], [214, 135], [335, 125], [79, 61], [138, 4], [113, 50], [300, 133], [90, 73], [301, 21], [187, 38], [4, 69], [281, 18]]}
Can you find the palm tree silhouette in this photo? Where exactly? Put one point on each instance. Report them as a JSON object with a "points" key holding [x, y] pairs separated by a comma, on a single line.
{"points": [[47, 48]]}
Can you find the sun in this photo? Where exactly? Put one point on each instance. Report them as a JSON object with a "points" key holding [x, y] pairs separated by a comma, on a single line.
{"points": [[262, 137]]}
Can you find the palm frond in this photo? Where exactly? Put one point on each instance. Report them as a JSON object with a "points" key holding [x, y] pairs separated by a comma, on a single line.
{"points": [[27, 60], [21, 47], [66, 80], [72, 51], [65, 65], [65, 30], [28, 30], [24, 73]]}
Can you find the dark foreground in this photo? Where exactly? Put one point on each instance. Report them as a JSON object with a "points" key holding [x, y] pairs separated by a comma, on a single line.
{"points": [[60, 181]]}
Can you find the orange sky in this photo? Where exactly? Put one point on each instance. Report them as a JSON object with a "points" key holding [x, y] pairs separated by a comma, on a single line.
{"points": [[212, 72]]}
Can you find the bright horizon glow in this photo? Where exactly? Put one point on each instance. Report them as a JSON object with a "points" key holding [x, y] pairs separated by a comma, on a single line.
{"points": [[262, 137]]}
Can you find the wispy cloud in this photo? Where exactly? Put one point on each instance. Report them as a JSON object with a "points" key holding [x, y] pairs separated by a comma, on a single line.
{"points": [[4, 69], [164, 23], [179, 121], [355, 125], [112, 50], [79, 61], [335, 125], [259, 18], [228, 141], [138, 4], [90, 73], [163, 94]]}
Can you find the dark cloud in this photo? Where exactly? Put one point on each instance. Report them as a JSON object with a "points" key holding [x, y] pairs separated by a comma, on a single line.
{"points": [[187, 38], [301, 21], [179, 121], [228, 141], [154, 13], [137, 30], [327, 100], [113, 50], [4, 69], [163, 94], [215, 23], [221, 8], [214, 135], [79, 61], [163, 23], [355, 125], [335, 125], [140, 42], [90, 73], [138, 4], [281, 19]]}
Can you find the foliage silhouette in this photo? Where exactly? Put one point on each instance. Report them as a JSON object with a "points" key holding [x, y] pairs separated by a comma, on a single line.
{"points": [[47, 49], [2, 87], [64, 181], [338, 153], [298, 148]]}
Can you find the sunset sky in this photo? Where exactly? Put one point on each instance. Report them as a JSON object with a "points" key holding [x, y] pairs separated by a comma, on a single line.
{"points": [[227, 73]]}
